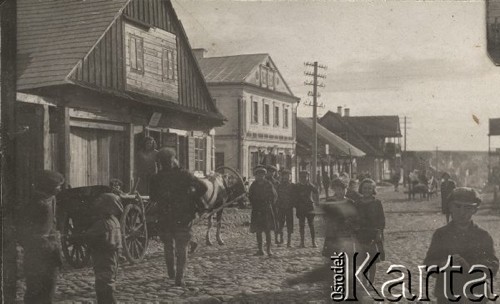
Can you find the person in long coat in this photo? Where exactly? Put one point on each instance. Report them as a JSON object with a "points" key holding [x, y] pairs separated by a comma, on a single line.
{"points": [[285, 207], [40, 239], [262, 196], [372, 223], [447, 187], [305, 192], [146, 164]]}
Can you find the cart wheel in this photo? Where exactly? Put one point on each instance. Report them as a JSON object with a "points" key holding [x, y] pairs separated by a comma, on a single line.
{"points": [[74, 248], [135, 233]]}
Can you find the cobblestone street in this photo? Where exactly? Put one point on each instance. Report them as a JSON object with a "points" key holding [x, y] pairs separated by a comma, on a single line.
{"points": [[231, 273]]}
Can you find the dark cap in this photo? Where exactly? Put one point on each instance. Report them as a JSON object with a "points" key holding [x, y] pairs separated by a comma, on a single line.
{"points": [[339, 183], [303, 173], [259, 168], [445, 174], [48, 180], [285, 171], [166, 154], [271, 168], [465, 195]]}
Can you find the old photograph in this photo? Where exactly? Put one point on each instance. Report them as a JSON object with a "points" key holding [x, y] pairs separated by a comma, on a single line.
{"points": [[250, 151]]}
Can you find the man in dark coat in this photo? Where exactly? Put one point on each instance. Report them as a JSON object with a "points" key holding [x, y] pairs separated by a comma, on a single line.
{"points": [[262, 196], [326, 183], [41, 240], [177, 193], [305, 192], [447, 187], [285, 206], [465, 242], [272, 176]]}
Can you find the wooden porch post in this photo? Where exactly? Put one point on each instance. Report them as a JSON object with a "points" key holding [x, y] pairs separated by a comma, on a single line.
{"points": [[64, 143], [129, 156]]}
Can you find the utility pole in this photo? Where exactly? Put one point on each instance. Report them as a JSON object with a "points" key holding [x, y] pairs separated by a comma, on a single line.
{"points": [[437, 161], [315, 96], [8, 13], [405, 133]]}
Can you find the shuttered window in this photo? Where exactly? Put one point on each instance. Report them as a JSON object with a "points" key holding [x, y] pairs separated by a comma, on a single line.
{"points": [[136, 51], [276, 116], [169, 69], [255, 112], [266, 114], [200, 145], [285, 118]]}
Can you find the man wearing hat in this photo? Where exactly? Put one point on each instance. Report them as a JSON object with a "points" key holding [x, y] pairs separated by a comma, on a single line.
{"points": [[177, 193], [447, 187], [305, 192], [465, 242], [104, 240], [272, 176], [40, 239], [262, 196], [285, 207]]}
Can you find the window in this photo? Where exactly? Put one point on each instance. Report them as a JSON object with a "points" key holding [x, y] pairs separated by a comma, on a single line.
{"points": [[168, 64], [276, 116], [255, 111], [199, 154], [285, 118], [136, 51], [266, 114]]}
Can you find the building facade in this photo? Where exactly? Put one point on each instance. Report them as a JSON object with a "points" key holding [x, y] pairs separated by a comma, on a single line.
{"points": [[261, 109], [96, 77]]}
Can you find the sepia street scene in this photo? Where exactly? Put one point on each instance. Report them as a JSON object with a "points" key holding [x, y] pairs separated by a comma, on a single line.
{"points": [[197, 151]]}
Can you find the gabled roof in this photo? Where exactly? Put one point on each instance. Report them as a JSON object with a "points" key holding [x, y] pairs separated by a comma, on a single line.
{"points": [[230, 68], [383, 126], [337, 145], [54, 35], [239, 69], [334, 123]]}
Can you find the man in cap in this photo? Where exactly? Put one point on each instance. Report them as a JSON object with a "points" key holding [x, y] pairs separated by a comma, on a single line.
{"points": [[305, 192], [447, 187], [272, 176], [177, 193], [40, 239], [262, 196], [104, 240], [463, 241], [285, 207]]}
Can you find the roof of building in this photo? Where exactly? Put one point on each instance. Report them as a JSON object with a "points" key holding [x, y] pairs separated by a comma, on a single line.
{"points": [[230, 68], [334, 123], [54, 35], [384, 126], [337, 145]]}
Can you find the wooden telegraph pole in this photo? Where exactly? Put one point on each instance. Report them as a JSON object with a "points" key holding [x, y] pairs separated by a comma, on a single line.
{"points": [[8, 13], [315, 96]]}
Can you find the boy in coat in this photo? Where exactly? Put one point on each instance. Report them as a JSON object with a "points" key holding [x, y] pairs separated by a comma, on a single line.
{"points": [[305, 192]]}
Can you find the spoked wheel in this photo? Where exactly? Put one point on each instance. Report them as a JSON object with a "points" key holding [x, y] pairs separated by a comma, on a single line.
{"points": [[74, 248], [234, 182], [135, 233]]}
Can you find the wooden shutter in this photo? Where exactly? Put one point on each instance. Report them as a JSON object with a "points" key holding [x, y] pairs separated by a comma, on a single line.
{"points": [[140, 54], [191, 153]]}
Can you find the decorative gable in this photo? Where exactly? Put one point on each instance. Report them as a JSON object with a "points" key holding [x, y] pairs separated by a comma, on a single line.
{"points": [[267, 75]]}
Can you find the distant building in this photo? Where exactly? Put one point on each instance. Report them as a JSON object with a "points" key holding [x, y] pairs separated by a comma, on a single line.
{"points": [[260, 107], [377, 136], [335, 155], [493, 30]]}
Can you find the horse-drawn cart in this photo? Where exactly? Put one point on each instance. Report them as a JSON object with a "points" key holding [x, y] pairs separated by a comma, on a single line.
{"points": [[139, 220]]}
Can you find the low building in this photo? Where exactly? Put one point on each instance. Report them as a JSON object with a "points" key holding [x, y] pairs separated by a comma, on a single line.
{"points": [[335, 155], [260, 107], [95, 77], [377, 136]]}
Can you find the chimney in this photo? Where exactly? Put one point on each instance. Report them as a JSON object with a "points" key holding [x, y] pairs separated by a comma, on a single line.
{"points": [[339, 110], [347, 112], [199, 53]]}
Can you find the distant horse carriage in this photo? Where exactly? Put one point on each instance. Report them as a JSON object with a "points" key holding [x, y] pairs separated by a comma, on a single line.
{"points": [[139, 220]]}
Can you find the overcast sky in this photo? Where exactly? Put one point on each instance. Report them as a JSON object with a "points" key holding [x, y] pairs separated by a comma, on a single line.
{"points": [[426, 60]]}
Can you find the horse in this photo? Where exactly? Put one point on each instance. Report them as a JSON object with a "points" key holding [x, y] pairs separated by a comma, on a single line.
{"points": [[223, 189]]}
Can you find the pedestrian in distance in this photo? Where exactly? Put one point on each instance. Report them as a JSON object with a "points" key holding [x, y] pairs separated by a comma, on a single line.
{"points": [[146, 164], [326, 183], [447, 187], [319, 183], [467, 245], [178, 194], [262, 196], [104, 241], [305, 192], [372, 223], [285, 207], [40, 239], [352, 190]]}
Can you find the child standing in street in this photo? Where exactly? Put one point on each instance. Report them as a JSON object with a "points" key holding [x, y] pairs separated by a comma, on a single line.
{"points": [[305, 206], [104, 240]]}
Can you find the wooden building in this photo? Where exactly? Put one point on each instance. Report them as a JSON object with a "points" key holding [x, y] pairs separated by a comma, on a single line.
{"points": [[335, 155], [260, 107], [377, 136], [95, 77]]}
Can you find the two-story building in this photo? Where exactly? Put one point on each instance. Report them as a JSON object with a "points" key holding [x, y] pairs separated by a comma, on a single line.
{"points": [[97, 76], [260, 107], [378, 136]]}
